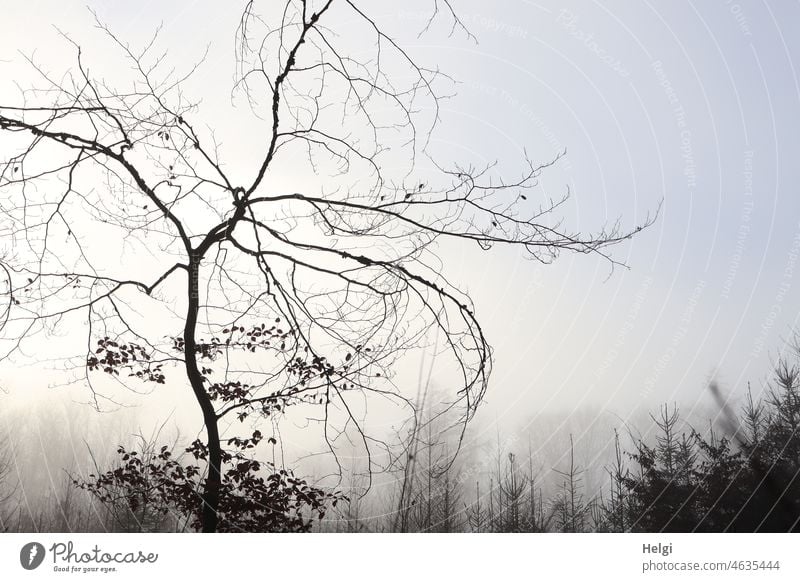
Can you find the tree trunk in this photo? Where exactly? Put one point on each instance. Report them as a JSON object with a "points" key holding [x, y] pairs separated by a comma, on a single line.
{"points": [[212, 485]]}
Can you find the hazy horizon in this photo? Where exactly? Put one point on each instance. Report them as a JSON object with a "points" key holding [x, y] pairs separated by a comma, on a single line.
{"points": [[683, 109]]}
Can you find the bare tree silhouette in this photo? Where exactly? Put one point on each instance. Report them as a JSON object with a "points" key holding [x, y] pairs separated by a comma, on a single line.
{"points": [[255, 295], [6, 487]]}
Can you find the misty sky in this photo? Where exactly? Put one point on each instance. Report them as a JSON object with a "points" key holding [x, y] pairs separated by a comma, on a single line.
{"points": [[688, 105]]}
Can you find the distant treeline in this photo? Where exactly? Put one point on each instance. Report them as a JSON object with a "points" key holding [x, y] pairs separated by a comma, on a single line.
{"points": [[744, 477], [741, 476]]}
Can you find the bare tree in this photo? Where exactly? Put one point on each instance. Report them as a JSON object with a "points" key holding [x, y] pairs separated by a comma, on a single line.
{"points": [[570, 506], [512, 488], [7, 489], [127, 228], [616, 509], [428, 496]]}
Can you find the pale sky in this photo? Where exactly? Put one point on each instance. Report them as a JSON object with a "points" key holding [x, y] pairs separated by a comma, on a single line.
{"points": [[693, 104]]}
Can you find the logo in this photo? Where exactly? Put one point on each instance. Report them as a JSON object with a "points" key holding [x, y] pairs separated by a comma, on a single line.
{"points": [[31, 555]]}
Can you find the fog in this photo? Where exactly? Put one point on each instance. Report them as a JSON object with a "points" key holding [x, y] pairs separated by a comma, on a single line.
{"points": [[681, 111]]}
